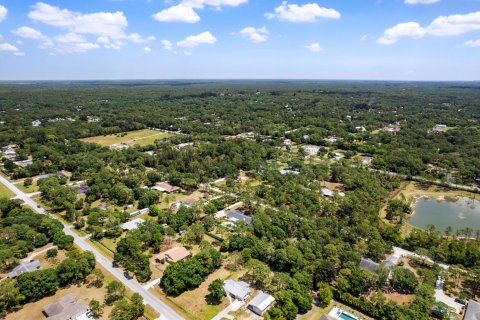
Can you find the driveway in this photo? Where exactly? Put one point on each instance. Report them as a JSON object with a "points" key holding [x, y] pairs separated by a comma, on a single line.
{"points": [[234, 306]]}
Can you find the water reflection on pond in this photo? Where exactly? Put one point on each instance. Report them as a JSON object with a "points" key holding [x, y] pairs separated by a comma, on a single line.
{"points": [[461, 214]]}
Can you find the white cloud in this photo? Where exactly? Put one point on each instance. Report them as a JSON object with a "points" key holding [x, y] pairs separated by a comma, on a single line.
{"points": [[421, 1], [451, 25], [3, 13], [7, 47], [70, 38], [314, 47], [167, 45], [472, 43], [309, 12], [34, 34], [402, 30], [196, 40], [178, 13], [65, 43], [107, 26], [364, 37], [147, 50], [29, 33], [213, 3], [455, 24], [76, 47], [184, 11], [255, 34]]}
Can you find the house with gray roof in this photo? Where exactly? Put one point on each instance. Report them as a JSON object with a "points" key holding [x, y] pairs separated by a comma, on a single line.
{"points": [[236, 289], [68, 308], [133, 224], [367, 264], [26, 267], [237, 215], [472, 312]]}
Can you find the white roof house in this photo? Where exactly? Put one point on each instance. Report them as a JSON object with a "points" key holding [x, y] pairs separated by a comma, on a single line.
{"points": [[311, 150], [133, 224], [237, 289], [261, 303], [329, 193]]}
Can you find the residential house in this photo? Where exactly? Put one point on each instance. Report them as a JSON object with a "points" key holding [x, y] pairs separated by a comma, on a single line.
{"points": [[24, 163], [237, 215], [133, 224], [367, 264], [165, 187], [237, 289], [285, 172], [82, 189], [360, 129], [184, 145], [472, 311], [311, 150], [68, 308], [261, 303], [178, 204], [366, 159], [173, 255], [329, 193], [25, 267]]}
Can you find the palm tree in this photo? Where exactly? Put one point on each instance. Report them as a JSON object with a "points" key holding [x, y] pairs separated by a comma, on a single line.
{"points": [[448, 231]]}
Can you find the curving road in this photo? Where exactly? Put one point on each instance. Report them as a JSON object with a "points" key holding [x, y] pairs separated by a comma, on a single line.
{"points": [[165, 311]]}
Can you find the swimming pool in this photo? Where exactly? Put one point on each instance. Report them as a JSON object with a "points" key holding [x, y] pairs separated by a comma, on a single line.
{"points": [[346, 316], [340, 314]]}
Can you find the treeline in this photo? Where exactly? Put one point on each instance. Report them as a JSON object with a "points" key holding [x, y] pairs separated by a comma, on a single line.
{"points": [[189, 273], [22, 230]]}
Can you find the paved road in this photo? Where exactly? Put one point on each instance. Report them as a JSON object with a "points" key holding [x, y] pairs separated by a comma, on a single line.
{"points": [[425, 180], [166, 312]]}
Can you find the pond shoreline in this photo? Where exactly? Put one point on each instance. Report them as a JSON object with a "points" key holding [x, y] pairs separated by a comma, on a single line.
{"points": [[457, 201]]}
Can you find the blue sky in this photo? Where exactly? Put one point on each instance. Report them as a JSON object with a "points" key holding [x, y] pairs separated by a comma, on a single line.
{"points": [[229, 39]]}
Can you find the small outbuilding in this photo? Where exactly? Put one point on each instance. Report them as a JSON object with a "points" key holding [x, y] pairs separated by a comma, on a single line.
{"points": [[261, 303]]}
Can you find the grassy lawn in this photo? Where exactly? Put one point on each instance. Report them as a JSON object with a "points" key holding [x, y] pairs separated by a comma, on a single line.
{"points": [[140, 137], [192, 303], [85, 291], [5, 192], [30, 189]]}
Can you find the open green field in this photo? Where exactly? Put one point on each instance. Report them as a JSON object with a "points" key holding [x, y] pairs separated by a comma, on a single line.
{"points": [[5, 192], [140, 137]]}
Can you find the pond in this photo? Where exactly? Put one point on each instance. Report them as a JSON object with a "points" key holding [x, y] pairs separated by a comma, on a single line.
{"points": [[460, 214]]}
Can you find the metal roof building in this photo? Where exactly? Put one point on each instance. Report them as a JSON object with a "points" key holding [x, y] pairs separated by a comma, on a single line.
{"points": [[473, 311], [236, 215], [261, 303]]}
